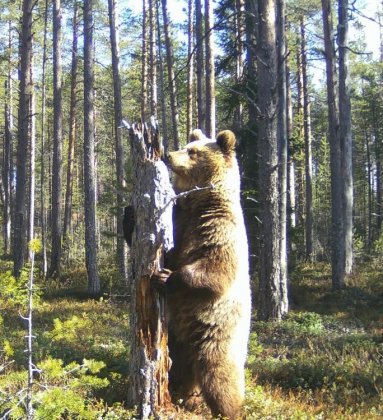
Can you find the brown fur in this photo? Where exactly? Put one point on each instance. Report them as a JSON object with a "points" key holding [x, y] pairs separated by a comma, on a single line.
{"points": [[207, 282]]}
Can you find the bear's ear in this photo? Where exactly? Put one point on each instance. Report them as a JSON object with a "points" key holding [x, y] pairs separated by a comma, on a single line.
{"points": [[196, 134], [226, 141]]}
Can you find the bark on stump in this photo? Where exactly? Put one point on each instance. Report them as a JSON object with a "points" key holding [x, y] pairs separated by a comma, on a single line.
{"points": [[152, 237]]}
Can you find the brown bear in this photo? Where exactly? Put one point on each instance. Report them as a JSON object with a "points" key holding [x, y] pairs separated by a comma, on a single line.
{"points": [[206, 277]]}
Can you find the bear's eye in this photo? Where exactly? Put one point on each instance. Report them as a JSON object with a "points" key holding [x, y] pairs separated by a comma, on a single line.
{"points": [[192, 152]]}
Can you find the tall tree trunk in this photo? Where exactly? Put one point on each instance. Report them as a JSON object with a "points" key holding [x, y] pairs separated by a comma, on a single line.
{"points": [[369, 193], [42, 147], [152, 236], [300, 196], [190, 77], [251, 81], [32, 164], [120, 160], [152, 58], [272, 296], [337, 241], [7, 172], [144, 62], [23, 137], [162, 84], [201, 116], [54, 269], [89, 154], [239, 33], [210, 74], [308, 149], [291, 215], [171, 76], [345, 134], [7, 161], [72, 125], [282, 148]]}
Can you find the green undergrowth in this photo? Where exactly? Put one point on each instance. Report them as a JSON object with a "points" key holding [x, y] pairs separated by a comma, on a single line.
{"points": [[324, 361]]}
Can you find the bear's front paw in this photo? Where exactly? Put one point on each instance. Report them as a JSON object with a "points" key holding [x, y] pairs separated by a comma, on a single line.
{"points": [[159, 279]]}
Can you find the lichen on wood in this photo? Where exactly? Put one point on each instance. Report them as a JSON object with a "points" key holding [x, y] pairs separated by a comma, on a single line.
{"points": [[152, 237]]}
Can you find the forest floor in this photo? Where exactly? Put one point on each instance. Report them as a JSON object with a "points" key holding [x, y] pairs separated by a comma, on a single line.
{"points": [[324, 361]]}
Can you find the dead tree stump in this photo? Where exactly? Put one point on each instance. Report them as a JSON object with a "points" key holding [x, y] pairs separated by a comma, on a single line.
{"points": [[152, 236]]}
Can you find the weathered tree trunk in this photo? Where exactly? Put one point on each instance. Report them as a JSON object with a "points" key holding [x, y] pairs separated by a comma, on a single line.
{"points": [[345, 135], [152, 236], [89, 154], [119, 151], [272, 293], [201, 116], [337, 241], [55, 265], [23, 137], [210, 74], [190, 77], [171, 76], [308, 149], [72, 125]]}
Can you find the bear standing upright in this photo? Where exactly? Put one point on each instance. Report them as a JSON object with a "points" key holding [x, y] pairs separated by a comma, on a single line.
{"points": [[206, 278]]}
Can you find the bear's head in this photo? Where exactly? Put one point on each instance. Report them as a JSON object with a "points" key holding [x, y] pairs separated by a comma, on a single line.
{"points": [[203, 161]]}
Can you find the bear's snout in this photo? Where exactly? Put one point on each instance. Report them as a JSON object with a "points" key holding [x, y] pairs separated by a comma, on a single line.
{"points": [[166, 158]]}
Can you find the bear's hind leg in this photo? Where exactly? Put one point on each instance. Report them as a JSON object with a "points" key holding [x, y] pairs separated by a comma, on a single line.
{"points": [[182, 376], [223, 388]]}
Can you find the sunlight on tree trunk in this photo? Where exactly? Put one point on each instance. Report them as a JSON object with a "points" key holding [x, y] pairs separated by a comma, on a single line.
{"points": [[25, 87], [55, 266], [152, 237], [89, 154]]}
